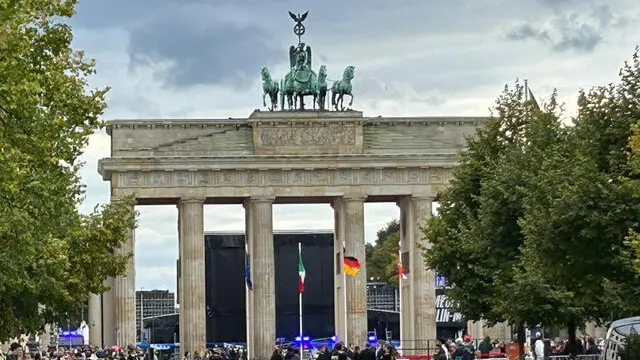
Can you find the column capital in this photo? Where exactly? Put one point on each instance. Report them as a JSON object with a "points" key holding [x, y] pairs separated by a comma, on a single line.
{"points": [[265, 198], [354, 198], [191, 200], [401, 200]]}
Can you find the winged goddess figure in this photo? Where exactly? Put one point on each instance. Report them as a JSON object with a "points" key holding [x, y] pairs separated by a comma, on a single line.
{"points": [[295, 51]]}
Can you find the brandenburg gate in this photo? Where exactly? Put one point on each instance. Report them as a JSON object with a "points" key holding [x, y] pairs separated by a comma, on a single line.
{"points": [[295, 156]]}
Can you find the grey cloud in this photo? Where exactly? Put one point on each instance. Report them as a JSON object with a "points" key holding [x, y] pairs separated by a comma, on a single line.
{"points": [[523, 32], [189, 47], [571, 31]]}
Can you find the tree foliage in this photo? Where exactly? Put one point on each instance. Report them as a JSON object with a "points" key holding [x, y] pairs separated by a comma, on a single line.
{"points": [[581, 209], [382, 257], [476, 237], [533, 228], [51, 256]]}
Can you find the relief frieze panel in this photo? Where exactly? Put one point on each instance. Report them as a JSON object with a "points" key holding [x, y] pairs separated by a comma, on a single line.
{"points": [[307, 136], [278, 178]]}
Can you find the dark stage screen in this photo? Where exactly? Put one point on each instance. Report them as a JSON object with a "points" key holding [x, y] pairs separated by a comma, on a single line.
{"points": [[225, 285]]}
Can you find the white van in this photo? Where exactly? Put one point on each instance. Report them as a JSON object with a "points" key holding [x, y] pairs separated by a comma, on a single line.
{"points": [[617, 334]]}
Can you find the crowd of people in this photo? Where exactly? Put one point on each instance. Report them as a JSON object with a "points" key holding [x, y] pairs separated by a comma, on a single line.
{"points": [[460, 349], [18, 352]]}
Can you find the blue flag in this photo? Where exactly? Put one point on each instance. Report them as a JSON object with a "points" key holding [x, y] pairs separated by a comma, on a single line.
{"points": [[247, 269]]}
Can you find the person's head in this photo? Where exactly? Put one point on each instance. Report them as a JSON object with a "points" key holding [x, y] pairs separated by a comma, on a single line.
{"points": [[440, 341], [539, 336], [487, 339], [467, 338], [186, 354], [459, 341]]}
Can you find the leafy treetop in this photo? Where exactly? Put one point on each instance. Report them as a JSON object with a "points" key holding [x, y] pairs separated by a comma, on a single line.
{"points": [[51, 256]]}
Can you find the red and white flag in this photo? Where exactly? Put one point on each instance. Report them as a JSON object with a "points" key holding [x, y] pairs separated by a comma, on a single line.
{"points": [[401, 273]]}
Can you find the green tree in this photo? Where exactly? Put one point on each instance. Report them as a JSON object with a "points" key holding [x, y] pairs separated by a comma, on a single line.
{"points": [[580, 209], [382, 258], [476, 238], [634, 162], [51, 256]]}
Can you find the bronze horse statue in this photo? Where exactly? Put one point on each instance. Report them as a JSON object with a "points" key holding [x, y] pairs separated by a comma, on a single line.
{"points": [[341, 88], [269, 88]]}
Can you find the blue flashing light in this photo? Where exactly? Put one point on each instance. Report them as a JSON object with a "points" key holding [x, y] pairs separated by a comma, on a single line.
{"points": [[298, 338], [306, 338], [373, 338], [334, 338], [70, 333]]}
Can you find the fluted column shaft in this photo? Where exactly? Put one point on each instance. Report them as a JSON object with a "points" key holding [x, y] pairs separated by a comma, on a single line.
{"points": [[124, 296], [356, 286], [264, 285], [424, 292], [95, 320], [248, 226], [108, 314], [407, 324], [418, 308], [193, 334], [339, 296]]}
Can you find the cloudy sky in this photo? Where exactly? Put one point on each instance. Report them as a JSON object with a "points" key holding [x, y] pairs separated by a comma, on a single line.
{"points": [[201, 58]]}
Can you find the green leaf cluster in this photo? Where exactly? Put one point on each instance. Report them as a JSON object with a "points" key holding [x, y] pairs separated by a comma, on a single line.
{"points": [[382, 256], [533, 229], [51, 256]]}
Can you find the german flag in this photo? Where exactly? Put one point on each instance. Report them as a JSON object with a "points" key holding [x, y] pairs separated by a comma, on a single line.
{"points": [[351, 266]]}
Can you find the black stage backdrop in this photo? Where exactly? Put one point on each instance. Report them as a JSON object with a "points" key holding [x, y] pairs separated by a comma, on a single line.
{"points": [[225, 285], [225, 288], [317, 299]]}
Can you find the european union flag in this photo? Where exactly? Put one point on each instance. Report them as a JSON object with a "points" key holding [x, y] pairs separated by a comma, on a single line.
{"points": [[247, 269]]}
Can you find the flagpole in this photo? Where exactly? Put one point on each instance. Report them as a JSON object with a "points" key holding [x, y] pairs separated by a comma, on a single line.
{"points": [[300, 302], [526, 89], [344, 294]]}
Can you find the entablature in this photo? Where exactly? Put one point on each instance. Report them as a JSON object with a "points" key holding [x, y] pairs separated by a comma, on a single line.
{"points": [[107, 166]]}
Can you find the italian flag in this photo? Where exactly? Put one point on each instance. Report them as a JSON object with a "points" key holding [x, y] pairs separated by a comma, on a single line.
{"points": [[301, 271]]}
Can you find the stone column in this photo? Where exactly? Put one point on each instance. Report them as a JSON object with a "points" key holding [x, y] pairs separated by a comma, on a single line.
{"points": [[95, 320], [419, 298], [193, 315], [356, 286], [181, 323], [339, 296], [124, 296], [108, 315], [407, 325], [264, 283], [248, 238]]}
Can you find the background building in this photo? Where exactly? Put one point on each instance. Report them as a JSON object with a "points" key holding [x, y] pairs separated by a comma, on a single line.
{"points": [[152, 303]]}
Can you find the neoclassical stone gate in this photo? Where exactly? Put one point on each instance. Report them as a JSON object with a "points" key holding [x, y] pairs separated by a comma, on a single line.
{"points": [[340, 158]]}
